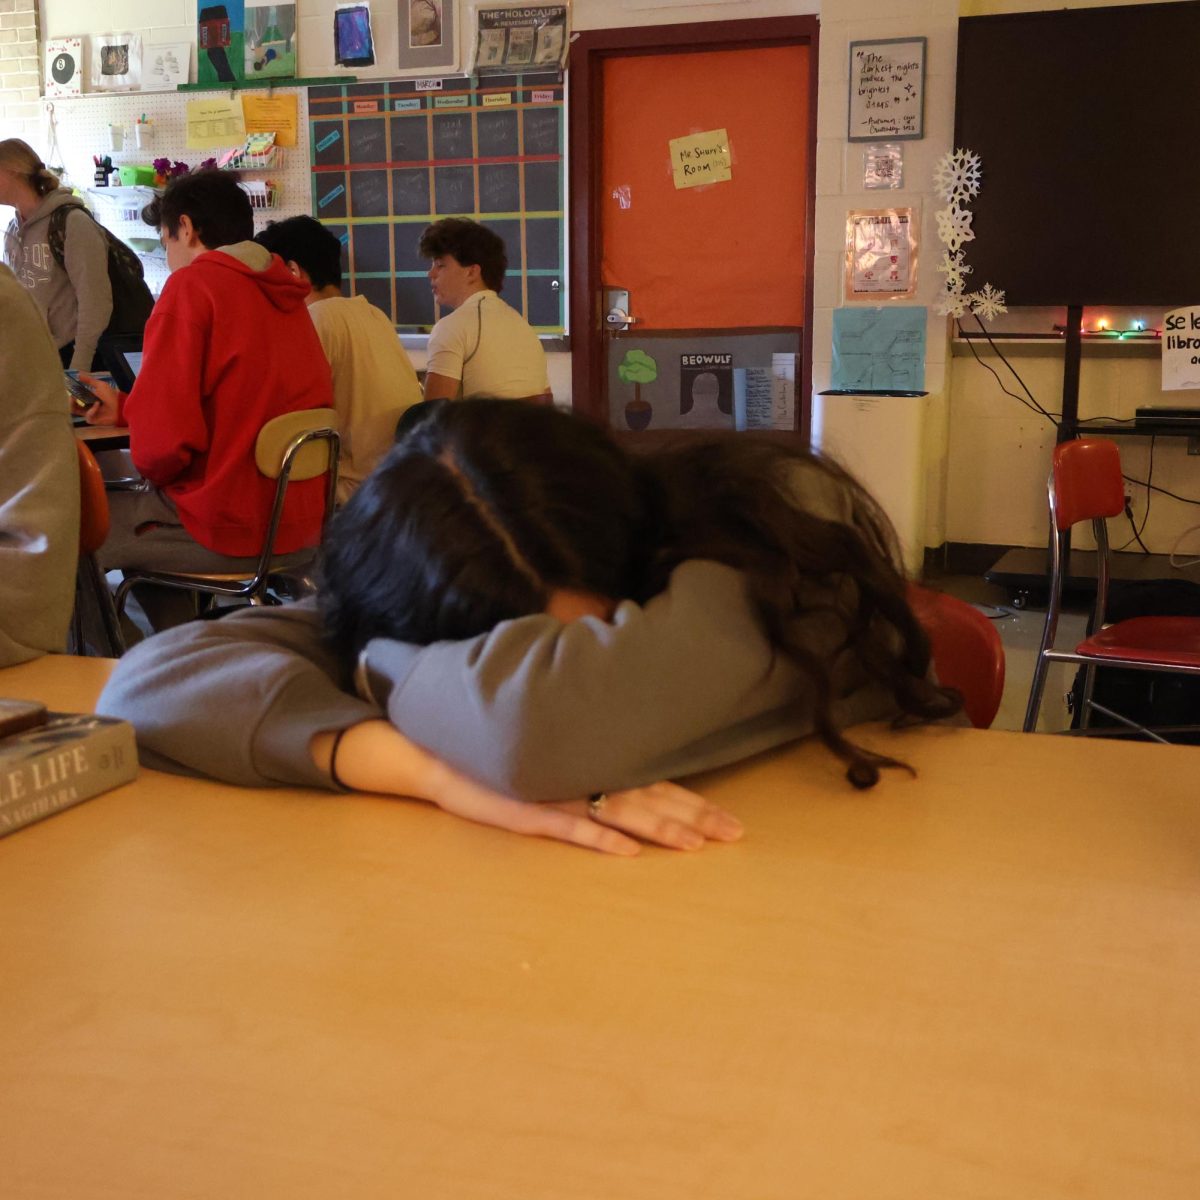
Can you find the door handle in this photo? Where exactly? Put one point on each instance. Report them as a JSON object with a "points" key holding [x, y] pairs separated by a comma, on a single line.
{"points": [[616, 302]]}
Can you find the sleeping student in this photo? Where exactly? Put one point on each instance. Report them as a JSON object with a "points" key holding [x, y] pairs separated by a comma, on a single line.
{"points": [[527, 613]]}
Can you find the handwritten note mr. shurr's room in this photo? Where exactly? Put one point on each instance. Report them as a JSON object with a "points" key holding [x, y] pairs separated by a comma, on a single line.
{"points": [[887, 90], [701, 158]]}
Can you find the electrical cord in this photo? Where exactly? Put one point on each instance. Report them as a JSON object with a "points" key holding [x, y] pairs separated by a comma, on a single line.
{"points": [[1034, 406], [1137, 532], [1011, 369], [1032, 403]]}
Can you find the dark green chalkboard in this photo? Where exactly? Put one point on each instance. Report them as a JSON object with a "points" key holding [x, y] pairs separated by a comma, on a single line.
{"points": [[388, 159]]}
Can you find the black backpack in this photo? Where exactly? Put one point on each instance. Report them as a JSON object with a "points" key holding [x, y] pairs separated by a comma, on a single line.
{"points": [[131, 298]]}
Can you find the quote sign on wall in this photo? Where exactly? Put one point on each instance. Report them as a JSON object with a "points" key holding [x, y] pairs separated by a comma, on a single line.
{"points": [[887, 90]]}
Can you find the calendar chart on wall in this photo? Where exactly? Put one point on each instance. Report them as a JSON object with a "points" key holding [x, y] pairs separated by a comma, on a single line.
{"points": [[390, 157]]}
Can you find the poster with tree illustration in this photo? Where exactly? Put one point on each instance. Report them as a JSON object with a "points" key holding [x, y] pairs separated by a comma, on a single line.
{"points": [[637, 368], [270, 41]]}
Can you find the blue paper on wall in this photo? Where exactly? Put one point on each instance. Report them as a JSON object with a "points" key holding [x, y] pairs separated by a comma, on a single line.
{"points": [[879, 349]]}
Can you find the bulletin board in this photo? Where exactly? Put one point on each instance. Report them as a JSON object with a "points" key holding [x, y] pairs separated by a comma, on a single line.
{"points": [[387, 158]]}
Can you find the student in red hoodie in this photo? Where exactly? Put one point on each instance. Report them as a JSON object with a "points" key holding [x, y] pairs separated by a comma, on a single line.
{"points": [[229, 346]]}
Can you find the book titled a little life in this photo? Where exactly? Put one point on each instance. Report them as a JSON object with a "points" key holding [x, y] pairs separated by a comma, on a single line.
{"points": [[51, 761]]}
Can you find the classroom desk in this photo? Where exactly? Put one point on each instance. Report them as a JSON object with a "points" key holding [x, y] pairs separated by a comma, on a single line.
{"points": [[982, 983], [103, 437]]}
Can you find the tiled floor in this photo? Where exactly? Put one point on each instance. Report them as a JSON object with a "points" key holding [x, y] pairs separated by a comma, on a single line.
{"points": [[1021, 633]]}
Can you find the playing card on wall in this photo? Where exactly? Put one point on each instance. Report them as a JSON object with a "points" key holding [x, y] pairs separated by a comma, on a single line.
{"points": [[116, 62], [64, 73]]}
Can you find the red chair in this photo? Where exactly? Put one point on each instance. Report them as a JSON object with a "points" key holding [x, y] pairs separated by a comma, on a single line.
{"points": [[1086, 484], [967, 652], [91, 588]]}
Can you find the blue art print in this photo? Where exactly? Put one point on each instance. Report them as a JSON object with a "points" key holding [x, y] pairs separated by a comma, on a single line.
{"points": [[353, 45]]}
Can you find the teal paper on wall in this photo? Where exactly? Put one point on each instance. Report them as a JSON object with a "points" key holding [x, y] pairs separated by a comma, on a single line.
{"points": [[879, 349]]}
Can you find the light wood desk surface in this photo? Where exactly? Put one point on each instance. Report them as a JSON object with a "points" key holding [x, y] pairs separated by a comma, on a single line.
{"points": [[984, 983]]}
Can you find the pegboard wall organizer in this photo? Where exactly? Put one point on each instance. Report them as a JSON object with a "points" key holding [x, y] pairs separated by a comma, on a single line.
{"points": [[269, 161], [114, 204], [262, 193], [82, 129]]}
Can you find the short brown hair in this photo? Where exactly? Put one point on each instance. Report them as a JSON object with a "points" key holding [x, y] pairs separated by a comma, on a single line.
{"points": [[470, 244]]}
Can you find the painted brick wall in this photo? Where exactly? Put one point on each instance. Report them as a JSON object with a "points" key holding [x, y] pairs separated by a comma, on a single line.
{"points": [[20, 69]]}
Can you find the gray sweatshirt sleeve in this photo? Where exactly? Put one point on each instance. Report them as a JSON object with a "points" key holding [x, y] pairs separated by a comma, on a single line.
{"points": [[85, 259], [543, 710], [39, 484], [536, 708], [236, 699]]}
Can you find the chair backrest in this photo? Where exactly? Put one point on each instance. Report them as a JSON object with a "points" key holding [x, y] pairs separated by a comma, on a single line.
{"points": [[299, 445], [93, 502], [1087, 481], [277, 435], [967, 652]]}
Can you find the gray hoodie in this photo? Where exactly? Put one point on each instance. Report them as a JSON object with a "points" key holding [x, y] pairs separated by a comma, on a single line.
{"points": [[77, 300], [39, 484]]}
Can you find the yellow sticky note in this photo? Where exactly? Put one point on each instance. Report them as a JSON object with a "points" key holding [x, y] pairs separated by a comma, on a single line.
{"points": [[701, 158], [272, 114], [214, 123]]}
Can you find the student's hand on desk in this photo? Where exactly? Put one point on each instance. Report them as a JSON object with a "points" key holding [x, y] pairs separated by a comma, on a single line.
{"points": [[104, 411], [662, 814], [374, 757]]}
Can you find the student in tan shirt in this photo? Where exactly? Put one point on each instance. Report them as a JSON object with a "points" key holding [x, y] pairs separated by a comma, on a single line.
{"points": [[373, 380]]}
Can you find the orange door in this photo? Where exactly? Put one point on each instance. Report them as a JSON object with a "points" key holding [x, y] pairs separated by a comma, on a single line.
{"points": [[713, 275]]}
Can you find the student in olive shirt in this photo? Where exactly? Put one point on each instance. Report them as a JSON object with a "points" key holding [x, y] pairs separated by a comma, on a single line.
{"points": [[39, 484]]}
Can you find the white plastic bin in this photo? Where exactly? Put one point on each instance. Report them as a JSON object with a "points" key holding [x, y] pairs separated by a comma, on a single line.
{"points": [[879, 438]]}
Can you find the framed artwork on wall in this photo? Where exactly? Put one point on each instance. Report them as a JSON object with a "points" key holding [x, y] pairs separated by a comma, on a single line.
{"points": [[427, 41], [116, 62], [64, 66], [881, 254], [887, 90]]}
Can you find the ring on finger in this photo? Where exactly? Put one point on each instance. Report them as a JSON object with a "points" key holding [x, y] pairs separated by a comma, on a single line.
{"points": [[596, 803]]}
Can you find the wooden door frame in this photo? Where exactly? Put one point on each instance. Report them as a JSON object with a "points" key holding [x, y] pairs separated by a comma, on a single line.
{"points": [[586, 105]]}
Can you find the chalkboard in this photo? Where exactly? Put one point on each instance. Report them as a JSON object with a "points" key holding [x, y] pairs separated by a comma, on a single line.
{"points": [[500, 133], [542, 131], [369, 194], [452, 135], [410, 192], [368, 141], [390, 157], [410, 139], [371, 246], [500, 188]]}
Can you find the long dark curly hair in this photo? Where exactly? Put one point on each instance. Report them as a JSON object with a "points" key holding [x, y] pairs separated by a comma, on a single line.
{"points": [[486, 507]]}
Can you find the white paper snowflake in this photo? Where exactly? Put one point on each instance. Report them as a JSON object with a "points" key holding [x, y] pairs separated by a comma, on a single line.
{"points": [[954, 226], [987, 303], [955, 269], [952, 304], [957, 175]]}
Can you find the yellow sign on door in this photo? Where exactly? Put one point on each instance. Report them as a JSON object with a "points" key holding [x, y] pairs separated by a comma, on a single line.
{"points": [[701, 158]]}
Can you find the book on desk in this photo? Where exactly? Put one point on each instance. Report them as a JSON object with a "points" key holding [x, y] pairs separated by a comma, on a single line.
{"points": [[60, 762]]}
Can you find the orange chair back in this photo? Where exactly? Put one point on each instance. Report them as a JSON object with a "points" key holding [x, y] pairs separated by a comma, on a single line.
{"points": [[967, 652], [1087, 481], [93, 503]]}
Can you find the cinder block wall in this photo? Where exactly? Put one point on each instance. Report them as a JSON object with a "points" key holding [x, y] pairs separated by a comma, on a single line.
{"points": [[20, 70]]}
